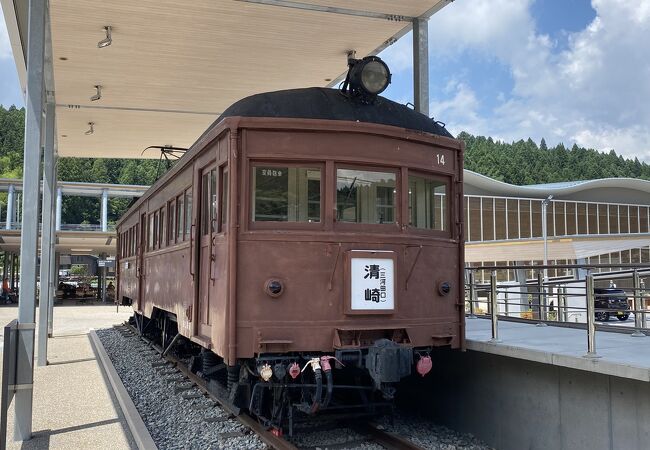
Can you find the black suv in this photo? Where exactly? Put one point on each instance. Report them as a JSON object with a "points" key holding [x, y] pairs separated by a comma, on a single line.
{"points": [[611, 299]]}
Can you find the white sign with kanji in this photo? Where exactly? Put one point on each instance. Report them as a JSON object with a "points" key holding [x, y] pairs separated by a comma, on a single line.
{"points": [[372, 284]]}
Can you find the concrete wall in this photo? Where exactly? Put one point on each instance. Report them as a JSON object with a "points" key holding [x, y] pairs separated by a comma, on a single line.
{"points": [[516, 404]]}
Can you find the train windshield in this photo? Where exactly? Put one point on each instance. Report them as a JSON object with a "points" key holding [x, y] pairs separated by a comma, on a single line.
{"points": [[427, 203], [285, 194], [366, 196]]}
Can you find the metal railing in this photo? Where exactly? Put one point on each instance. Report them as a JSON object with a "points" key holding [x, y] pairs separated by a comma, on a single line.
{"points": [[579, 301], [65, 227], [85, 227], [12, 226]]}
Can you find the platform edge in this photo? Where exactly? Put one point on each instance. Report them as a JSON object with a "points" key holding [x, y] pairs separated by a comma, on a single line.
{"points": [[138, 429]]}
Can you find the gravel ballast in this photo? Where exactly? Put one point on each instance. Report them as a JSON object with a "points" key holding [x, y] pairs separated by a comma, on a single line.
{"points": [[176, 417], [179, 416]]}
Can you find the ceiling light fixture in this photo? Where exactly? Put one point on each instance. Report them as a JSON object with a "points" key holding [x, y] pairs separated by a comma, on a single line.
{"points": [[98, 94], [106, 41], [91, 130]]}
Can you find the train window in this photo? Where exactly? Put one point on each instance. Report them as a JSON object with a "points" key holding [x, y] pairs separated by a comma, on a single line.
{"points": [[223, 213], [179, 218], [366, 196], [213, 200], [427, 203], [150, 232], [162, 228], [188, 212], [155, 230], [171, 206], [205, 202], [208, 202], [285, 194]]}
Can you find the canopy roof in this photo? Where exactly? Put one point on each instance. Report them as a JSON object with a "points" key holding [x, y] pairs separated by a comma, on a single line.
{"points": [[613, 190], [173, 67]]}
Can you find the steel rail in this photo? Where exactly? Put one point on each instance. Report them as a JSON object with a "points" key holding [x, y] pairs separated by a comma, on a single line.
{"points": [[265, 435], [388, 440]]}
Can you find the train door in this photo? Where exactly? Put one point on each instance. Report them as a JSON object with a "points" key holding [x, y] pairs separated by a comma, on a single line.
{"points": [[207, 228], [140, 262]]}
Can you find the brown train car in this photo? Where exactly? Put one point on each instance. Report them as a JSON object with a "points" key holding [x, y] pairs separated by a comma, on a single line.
{"points": [[304, 225]]}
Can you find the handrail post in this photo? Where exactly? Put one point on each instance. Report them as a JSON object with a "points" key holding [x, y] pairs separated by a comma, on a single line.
{"points": [[636, 305], [591, 318], [541, 299], [472, 295], [642, 303], [495, 307]]}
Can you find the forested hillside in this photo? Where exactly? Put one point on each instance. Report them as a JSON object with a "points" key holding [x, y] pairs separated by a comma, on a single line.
{"points": [[524, 162], [74, 209], [521, 162]]}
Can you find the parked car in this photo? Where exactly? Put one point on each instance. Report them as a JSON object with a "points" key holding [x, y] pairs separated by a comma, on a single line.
{"points": [[614, 301]]}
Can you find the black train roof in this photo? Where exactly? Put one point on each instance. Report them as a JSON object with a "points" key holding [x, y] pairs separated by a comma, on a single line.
{"points": [[331, 104]]}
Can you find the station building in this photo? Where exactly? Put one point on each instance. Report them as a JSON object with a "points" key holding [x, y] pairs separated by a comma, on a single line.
{"points": [[604, 221]]}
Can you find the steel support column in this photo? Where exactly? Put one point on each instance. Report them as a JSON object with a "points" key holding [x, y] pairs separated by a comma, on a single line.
{"points": [[59, 201], [104, 218], [421, 65], [5, 265], [54, 262], [14, 265], [47, 234], [30, 217], [10, 206]]}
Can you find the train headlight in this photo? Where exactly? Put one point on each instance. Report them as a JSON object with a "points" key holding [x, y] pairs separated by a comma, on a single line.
{"points": [[274, 288], [367, 77]]}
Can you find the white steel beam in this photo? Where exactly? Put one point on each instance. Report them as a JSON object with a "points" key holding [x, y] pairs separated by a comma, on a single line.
{"points": [[104, 218], [54, 271], [47, 234], [11, 200], [331, 10], [30, 218], [59, 201]]}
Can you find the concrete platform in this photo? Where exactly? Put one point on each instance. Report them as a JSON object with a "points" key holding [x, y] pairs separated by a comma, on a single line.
{"points": [[620, 354], [74, 407]]}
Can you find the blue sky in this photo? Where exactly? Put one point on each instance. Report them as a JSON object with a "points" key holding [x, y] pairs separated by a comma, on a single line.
{"points": [[571, 71]]}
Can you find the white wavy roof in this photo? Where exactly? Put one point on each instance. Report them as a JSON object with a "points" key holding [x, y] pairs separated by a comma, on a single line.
{"points": [[557, 189]]}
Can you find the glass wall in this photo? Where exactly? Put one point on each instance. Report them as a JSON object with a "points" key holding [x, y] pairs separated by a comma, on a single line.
{"points": [[497, 218], [631, 256]]}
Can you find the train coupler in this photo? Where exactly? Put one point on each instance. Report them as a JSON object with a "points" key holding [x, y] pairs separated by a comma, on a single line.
{"points": [[387, 363]]}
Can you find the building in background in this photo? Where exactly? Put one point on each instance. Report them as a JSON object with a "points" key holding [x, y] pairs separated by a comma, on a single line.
{"points": [[604, 221]]}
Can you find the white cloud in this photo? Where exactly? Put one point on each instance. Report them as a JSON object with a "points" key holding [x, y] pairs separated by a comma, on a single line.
{"points": [[461, 109], [595, 92], [5, 45]]}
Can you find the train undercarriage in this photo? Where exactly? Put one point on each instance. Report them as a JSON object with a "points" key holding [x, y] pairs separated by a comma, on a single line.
{"points": [[282, 390]]}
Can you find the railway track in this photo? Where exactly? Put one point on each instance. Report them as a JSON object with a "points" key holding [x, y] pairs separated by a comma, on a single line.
{"points": [[171, 367]]}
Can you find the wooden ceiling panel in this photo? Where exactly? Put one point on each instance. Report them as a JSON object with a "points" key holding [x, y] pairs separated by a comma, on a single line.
{"points": [[125, 134], [196, 57]]}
